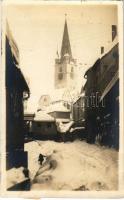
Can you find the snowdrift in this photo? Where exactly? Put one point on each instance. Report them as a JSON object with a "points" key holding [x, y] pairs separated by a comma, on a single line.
{"points": [[79, 166]]}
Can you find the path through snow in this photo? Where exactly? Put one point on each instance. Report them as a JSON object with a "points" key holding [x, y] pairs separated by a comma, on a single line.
{"points": [[79, 166]]}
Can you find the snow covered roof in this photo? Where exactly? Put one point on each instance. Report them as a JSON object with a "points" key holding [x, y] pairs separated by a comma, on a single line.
{"points": [[29, 113], [43, 116], [62, 120], [109, 47], [57, 94], [58, 107], [12, 43]]}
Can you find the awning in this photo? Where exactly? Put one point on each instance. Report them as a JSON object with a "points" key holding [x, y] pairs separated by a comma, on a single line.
{"points": [[110, 85]]}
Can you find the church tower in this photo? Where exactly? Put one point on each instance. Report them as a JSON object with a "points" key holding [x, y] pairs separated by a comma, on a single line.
{"points": [[65, 65]]}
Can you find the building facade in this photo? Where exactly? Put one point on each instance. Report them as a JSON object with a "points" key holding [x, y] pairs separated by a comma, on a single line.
{"points": [[16, 86], [102, 100], [43, 126], [60, 111], [78, 110]]}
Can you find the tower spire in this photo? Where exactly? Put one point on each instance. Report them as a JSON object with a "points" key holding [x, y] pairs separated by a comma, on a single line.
{"points": [[66, 47]]}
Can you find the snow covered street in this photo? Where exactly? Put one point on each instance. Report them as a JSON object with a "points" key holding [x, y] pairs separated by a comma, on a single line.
{"points": [[75, 166]]}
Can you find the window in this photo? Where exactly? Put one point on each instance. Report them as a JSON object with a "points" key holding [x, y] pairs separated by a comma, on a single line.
{"points": [[60, 76], [102, 50], [49, 125], [60, 69], [72, 69], [72, 73]]}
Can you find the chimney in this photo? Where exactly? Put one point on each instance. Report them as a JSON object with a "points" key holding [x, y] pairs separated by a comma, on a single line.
{"points": [[114, 31], [102, 50]]}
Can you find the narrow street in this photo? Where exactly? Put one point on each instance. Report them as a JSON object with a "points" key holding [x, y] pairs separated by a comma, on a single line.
{"points": [[61, 75], [72, 166]]}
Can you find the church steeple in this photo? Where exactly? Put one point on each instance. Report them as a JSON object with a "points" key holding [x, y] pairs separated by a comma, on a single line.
{"points": [[66, 47], [65, 64]]}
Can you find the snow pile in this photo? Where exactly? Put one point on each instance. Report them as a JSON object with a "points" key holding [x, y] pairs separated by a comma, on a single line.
{"points": [[78, 166], [63, 128], [15, 176]]}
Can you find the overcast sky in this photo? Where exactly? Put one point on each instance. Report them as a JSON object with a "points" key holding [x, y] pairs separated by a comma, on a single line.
{"points": [[38, 31]]}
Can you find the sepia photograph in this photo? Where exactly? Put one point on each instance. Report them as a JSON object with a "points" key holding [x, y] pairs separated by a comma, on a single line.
{"points": [[62, 96]]}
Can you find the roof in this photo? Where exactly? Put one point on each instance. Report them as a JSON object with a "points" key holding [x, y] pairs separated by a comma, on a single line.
{"points": [[58, 108], [76, 100], [99, 59], [115, 45], [64, 120], [29, 116], [12, 43], [66, 47], [44, 117], [110, 85], [93, 67], [14, 76]]}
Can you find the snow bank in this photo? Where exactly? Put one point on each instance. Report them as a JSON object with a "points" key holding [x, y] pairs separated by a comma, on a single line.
{"points": [[15, 176], [80, 166]]}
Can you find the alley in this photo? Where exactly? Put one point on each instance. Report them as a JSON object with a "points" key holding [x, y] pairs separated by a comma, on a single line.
{"points": [[61, 99], [76, 166]]}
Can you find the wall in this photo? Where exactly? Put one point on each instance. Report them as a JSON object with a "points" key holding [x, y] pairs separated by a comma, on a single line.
{"points": [[63, 69], [43, 128], [102, 121], [78, 110], [15, 84]]}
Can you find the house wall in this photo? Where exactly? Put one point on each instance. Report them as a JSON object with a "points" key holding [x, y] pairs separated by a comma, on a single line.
{"points": [[78, 107], [43, 128], [60, 115], [98, 77], [16, 156]]}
